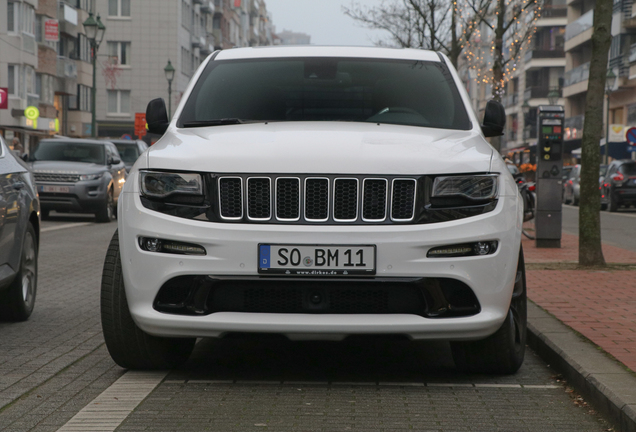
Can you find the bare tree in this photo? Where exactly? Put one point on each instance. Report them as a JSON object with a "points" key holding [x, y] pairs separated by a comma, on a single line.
{"points": [[590, 251], [438, 25]]}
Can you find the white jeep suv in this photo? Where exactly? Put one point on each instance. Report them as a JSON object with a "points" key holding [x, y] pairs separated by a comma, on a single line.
{"points": [[319, 192]]}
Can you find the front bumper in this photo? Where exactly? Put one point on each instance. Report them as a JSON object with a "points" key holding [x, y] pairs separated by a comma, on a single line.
{"points": [[82, 197], [401, 253]]}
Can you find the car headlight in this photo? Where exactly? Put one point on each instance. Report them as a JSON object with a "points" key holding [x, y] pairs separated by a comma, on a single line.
{"points": [[157, 184], [471, 187], [85, 177]]}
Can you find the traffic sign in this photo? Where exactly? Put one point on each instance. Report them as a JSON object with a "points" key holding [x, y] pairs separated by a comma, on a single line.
{"points": [[631, 148], [4, 98], [631, 135]]}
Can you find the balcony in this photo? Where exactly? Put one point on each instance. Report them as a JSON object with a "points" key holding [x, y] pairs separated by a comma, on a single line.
{"points": [[510, 100], [577, 75], [632, 53], [198, 40], [208, 7], [575, 28], [539, 92], [554, 11], [544, 54], [67, 76]]}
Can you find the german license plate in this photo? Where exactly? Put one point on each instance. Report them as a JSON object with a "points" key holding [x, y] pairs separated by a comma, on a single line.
{"points": [[54, 189], [316, 260]]}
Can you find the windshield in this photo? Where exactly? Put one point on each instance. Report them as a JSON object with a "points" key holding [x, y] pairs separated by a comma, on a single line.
{"points": [[415, 93], [128, 152], [69, 151]]}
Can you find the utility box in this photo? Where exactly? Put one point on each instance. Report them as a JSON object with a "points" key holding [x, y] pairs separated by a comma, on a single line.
{"points": [[549, 176]]}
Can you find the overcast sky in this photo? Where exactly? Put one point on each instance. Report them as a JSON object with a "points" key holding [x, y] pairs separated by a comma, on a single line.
{"points": [[323, 20]]}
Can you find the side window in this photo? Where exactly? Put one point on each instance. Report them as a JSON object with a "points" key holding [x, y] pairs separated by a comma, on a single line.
{"points": [[612, 169]]}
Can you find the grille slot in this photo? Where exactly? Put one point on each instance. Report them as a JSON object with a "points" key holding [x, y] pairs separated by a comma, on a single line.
{"points": [[374, 200], [231, 197], [345, 200], [61, 178], [259, 198], [288, 199], [403, 200], [317, 199]]}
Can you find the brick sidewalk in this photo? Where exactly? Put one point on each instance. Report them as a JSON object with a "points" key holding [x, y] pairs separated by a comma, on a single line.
{"points": [[599, 304]]}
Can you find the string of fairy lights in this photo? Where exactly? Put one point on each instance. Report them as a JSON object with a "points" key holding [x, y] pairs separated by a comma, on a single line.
{"points": [[479, 49]]}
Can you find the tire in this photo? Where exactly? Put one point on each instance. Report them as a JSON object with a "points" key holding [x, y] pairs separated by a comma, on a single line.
{"points": [[44, 214], [18, 301], [575, 200], [106, 213], [503, 352], [127, 344], [603, 206], [613, 204]]}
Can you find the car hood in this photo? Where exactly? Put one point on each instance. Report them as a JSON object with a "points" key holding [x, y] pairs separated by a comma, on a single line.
{"points": [[63, 167], [325, 147]]}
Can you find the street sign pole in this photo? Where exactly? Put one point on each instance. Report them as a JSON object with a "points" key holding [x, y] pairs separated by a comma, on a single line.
{"points": [[631, 139]]}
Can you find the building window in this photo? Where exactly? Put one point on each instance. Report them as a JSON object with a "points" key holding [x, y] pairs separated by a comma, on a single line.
{"points": [[12, 17], [82, 101], [87, 5], [120, 51], [83, 48], [28, 19], [118, 101], [185, 62], [14, 73], [29, 75], [185, 14], [119, 8]]}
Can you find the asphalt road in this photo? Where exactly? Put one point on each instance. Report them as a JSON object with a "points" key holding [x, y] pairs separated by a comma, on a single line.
{"points": [[617, 229], [55, 364]]}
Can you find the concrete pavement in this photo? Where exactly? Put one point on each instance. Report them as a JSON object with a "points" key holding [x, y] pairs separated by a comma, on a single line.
{"points": [[583, 323]]}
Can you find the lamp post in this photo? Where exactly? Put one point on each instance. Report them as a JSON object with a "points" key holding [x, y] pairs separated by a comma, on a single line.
{"points": [[169, 71], [610, 82], [553, 96], [94, 30]]}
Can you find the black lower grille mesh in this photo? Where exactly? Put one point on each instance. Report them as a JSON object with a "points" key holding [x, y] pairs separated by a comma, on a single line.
{"points": [[288, 198], [403, 199], [231, 197], [317, 199], [345, 205], [258, 198]]}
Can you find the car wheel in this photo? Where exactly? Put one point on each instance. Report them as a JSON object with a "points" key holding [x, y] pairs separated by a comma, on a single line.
{"points": [[575, 200], [502, 352], [127, 344], [17, 302], [613, 204], [107, 212], [603, 206], [44, 213]]}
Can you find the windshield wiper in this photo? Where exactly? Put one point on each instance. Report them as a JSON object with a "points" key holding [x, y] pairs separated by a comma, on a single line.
{"points": [[217, 122]]}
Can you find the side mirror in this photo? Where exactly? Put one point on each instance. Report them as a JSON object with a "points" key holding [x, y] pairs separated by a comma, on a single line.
{"points": [[25, 157], [494, 119], [114, 161], [157, 116]]}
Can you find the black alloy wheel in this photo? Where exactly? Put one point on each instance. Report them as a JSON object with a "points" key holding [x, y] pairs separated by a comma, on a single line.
{"points": [[107, 212]]}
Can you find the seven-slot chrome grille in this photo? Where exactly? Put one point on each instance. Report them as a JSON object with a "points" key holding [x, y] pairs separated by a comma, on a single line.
{"points": [[316, 199]]}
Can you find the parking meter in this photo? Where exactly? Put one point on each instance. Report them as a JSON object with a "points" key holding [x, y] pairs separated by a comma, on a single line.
{"points": [[549, 176]]}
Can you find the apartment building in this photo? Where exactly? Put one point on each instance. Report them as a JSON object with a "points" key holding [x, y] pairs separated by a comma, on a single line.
{"points": [[535, 74], [622, 61], [143, 35]]}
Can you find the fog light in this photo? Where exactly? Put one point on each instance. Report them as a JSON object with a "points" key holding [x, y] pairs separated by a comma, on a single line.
{"points": [[169, 246], [463, 250]]}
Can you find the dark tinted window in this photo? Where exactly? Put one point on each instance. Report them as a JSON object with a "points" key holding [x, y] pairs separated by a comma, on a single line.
{"points": [[628, 169], [413, 93], [69, 151], [128, 152]]}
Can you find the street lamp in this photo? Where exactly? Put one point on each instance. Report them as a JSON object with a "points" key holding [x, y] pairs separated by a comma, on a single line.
{"points": [[553, 96], [94, 30], [169, 71], [610, 82]]}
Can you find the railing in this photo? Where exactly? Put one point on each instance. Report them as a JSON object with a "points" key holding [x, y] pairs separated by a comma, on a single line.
{"points": [[537, 92], [207, 7], [554, 12], [577, 75], [510, 100], [542, 54], [575, 28], [66, 68]]}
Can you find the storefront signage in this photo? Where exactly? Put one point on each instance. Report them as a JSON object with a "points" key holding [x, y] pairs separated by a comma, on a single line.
{"points": [[140, 125], [4, 98]]}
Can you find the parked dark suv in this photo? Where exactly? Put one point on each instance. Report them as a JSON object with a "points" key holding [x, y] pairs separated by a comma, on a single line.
{"points": [[619, 186], [19, 237], [82, 176]]}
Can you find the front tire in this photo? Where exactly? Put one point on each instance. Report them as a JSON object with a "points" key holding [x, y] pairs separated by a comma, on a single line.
{"points": [[127, 344], [106, 212], [17, 302], [613, 204], [503, 352]]}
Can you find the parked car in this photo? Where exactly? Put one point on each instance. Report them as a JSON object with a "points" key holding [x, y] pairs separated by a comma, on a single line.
{"points": [[19, 237], [129, 150], [81, 176], [572, 186], [619, 186], [269, 208]]}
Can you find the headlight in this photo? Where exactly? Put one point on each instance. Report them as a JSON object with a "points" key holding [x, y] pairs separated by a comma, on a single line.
{"points": [[163, 184], [473, 187], [85, 177]]}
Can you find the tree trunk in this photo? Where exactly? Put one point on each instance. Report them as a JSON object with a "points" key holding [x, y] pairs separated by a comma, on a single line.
{"points": [[455, 50], [590, 251]]}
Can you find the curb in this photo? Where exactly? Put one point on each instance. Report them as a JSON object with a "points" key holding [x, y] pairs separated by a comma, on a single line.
{"points": [[603, 382]]}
